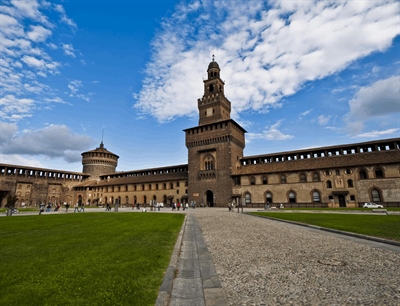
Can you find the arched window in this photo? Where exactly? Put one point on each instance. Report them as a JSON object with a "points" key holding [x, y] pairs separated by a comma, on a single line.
{"points": [[316, 177], [209, 163], [265, 180], [247, 198], [378, 173], [268, 198], [362, 174], [252, 180], [350, 183], [376, 195], [328, 184], [292, 197], [303, 178], [283, 179], [316, 196]]}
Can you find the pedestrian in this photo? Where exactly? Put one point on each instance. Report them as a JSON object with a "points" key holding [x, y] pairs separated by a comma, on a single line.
{"points": [[48, 207], [187, 206], [229, 207], [66, 207], [76, 208], [41, 209], [179, 206], [82, 207]]}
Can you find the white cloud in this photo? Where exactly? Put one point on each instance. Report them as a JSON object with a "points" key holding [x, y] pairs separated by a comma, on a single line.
{"points": [[53, 141], [270, 133], [378, 100], [74, 86], [59, 8], [266, 52], [33, 62], [323, 120], [13, 108], [38, 33], [25, 58], [15, 159], [376, 134], [68, 50]]}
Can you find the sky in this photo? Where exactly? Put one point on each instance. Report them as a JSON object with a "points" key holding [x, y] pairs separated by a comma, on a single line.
{"points": [[299, 74]]}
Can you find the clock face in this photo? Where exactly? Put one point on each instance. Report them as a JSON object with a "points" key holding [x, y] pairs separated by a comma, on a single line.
{"points": [[209, 112]]}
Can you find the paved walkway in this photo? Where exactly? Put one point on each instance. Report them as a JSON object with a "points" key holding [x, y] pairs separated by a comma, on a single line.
{"points": [[196, 282], [192, 277]]}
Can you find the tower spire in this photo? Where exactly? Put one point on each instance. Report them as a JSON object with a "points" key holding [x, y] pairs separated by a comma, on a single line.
{"points": [[102, 136]]}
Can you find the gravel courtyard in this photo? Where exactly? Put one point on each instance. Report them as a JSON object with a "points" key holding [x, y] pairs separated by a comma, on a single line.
{"points": [[264, 262]]}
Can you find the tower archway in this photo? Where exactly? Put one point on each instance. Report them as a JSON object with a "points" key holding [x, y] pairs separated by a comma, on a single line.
{"points": [[210, 198]]}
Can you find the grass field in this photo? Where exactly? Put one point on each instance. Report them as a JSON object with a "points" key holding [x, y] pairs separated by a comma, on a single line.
{"points": [[383, 226], [85, 259]]}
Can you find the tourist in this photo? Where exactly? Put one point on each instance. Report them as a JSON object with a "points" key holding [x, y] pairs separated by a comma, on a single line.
{"points": [[76, 208], [41, 209]]}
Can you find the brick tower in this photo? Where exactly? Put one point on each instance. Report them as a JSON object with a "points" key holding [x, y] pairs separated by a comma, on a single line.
{"points": [[214, 146], [99, 161]]}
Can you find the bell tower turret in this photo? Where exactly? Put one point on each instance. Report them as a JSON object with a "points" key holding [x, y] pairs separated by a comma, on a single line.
{"points": [[213, 106]]}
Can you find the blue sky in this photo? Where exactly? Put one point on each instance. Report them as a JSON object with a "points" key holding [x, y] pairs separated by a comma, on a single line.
{"points": [[299, 74]]}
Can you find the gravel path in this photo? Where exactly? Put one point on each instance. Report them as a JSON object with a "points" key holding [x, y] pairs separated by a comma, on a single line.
{"points": [[263, 262]]}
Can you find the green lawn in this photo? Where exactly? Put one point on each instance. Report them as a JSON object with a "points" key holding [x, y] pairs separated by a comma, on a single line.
{"points": [[383, 226], [85, 259]]}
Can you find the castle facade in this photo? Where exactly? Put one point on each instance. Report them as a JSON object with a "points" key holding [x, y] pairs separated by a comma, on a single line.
{"points": [[218, 173]]}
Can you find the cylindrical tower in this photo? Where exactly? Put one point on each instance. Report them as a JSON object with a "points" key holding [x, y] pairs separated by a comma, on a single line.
{"points": [[99, 161]]}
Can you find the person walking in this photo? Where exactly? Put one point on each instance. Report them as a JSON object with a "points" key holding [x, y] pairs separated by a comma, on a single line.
{"points": [[41, 209], [66, 207], [76, 208]]}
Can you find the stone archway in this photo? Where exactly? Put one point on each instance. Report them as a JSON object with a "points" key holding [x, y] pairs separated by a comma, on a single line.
{"points": [[210, 198]]}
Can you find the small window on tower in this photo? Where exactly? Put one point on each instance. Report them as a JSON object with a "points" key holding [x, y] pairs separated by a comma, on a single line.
{"points": [[211, 88]]}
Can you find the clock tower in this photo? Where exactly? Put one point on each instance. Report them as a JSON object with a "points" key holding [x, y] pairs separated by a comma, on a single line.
{"points": [[214, 106], [215, 146]]}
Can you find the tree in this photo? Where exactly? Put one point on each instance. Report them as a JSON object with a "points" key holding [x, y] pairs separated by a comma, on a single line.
{"points": [[10, 204]]}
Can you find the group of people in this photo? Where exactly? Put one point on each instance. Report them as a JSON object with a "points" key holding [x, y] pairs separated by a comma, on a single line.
{"points": [[177, 206], [79, 208], [57, 207]]}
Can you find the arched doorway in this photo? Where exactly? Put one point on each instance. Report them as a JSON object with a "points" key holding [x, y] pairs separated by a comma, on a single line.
{"points": [[342, 201], [210, 198]]}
